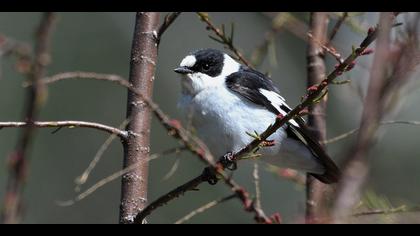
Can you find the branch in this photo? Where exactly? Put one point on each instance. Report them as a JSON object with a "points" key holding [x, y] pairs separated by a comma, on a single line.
{"points": [[313, 95], [326, 48], [169, 19], [256, 176], [34, 101], [137, 148], [316, 192], [348, 133], [68, 123], [173, 127], [204, 208], [387, 211], [228, 41], [113, 177], [356, 166], [337, 26], [80, 180]]}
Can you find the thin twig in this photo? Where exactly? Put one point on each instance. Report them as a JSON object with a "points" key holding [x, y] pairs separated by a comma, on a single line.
{"points": [[228, 41], [337, 26], [169, 19], [83, 75], [256, 177], [204, 208], [80, 180], [173, 127], [328, 49], [112, 177], [347, 134], [67, 123], [173, 169], [387, 211]]}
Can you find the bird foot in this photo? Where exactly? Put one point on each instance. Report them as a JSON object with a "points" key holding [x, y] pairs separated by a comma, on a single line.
{"points": [[228, 161]]}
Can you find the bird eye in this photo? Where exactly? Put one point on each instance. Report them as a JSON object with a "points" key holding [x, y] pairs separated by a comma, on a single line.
{"points": [[206, 67]]}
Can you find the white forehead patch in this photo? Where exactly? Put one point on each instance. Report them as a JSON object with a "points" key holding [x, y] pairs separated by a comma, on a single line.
{"points": [[188, 61]]}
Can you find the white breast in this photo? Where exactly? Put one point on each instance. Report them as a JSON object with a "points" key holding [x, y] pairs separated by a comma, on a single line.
{"points": [[221, 119]]}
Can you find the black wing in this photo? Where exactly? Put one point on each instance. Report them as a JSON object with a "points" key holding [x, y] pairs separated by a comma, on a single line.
{"points": [[248, 83]]}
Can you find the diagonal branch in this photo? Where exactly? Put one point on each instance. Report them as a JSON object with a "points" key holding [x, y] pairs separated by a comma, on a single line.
{"points": [[204, 208], [169, 19]]}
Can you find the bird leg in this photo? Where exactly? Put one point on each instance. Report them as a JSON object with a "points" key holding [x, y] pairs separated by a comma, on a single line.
{"points": [[228, 161]]}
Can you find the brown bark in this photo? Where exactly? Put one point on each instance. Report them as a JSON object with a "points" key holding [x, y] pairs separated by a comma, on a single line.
{"points": [[316, 72], [137, 145]]}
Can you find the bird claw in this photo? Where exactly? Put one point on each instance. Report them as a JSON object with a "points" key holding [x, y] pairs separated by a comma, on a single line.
{"points": [[211, 177], [228, 161]]}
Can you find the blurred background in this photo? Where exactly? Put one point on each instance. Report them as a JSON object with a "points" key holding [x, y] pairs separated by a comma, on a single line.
{"points": [[101, 42]]}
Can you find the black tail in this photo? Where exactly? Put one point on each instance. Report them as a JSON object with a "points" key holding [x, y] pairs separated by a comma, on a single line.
{"points": [[332, 173]]}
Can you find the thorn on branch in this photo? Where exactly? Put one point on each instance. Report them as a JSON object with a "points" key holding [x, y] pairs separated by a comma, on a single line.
{"points": [[367, 51]]}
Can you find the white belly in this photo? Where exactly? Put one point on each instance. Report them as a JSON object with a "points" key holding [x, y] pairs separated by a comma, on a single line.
{"points": [[221, 119]]}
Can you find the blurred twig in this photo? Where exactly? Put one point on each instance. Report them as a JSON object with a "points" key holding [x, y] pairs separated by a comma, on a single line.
{"points": [[204, 208], [112, 177], [337, 26], [169, 19], [36, 95], [256, 177], [387, 211], [347, 134], [222, 37]]}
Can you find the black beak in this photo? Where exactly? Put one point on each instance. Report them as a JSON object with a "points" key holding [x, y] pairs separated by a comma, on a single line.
{"points": [[183, 70]]}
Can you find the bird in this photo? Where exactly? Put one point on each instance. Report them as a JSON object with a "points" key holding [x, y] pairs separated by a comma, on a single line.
{"points": [[225, 101]]}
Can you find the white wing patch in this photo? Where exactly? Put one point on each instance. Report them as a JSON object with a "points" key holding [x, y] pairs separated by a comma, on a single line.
{"points": [[188, 61], [277, 101]]}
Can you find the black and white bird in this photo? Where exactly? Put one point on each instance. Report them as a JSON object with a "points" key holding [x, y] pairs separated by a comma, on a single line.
{"points": [[225, 100]]}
